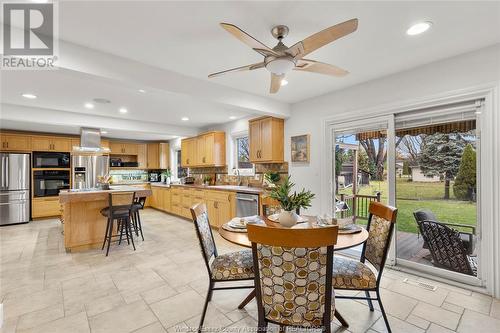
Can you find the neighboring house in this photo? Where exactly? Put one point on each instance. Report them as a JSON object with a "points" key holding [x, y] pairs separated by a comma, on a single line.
{"points": [[418, 176], [347, 174]]}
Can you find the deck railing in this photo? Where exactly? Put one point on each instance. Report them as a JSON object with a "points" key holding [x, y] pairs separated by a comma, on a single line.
{"points": [[358, 205]]}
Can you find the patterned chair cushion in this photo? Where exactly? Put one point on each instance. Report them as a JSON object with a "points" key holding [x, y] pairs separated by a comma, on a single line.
{"points": [[233, 266], [352, 274], [293, 284], [205, 235], [377, 240]]}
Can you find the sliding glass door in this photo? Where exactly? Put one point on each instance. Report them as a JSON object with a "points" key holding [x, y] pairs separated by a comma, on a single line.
{"points": [[436, 191]]}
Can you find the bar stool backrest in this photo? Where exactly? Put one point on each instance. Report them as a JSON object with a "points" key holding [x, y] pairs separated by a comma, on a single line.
{"points": [[120, 202]]}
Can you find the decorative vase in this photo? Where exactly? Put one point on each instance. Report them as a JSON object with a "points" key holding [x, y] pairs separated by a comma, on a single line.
{"points": [[288, 218]]}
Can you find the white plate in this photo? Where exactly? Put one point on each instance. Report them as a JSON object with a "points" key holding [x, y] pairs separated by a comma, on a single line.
{"points": [[236, 223], [275, 218]]}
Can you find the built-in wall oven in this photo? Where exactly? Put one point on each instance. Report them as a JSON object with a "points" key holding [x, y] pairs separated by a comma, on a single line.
{"points": [[49, 182], [44, 159]]}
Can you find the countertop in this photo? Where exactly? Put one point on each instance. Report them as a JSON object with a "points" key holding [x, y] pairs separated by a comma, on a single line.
{"points": [[231, 188], [95, 194]]}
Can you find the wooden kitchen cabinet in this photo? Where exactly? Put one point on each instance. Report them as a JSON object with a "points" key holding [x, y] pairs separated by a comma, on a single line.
{"points": [[153, 156], [15, 142], [45, 207], [205, 150], [123, 148], [221, 207], [50, 143], [188, 152], [158, 155], [266, 135], [164, 155], [142, 156]]}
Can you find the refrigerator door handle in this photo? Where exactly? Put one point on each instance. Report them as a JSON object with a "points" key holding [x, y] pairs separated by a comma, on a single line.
{"points": [[6, 171]]}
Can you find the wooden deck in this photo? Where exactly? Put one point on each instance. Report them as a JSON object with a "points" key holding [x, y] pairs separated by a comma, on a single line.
{"points": [[409, 247]]}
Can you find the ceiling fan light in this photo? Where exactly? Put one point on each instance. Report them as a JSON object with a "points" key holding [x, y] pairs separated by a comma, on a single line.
{"points": [[280, 65]]}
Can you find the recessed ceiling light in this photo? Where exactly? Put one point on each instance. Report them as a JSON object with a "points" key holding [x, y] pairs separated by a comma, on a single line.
{"points": [[89, 105], [104, 132], [29, 96], [123, 110], [284, 82], [418, 28], [142, 90], [232, 117], [184, 118]]}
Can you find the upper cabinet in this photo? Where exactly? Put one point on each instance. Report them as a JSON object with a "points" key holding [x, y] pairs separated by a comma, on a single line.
{"points": [[158, 155], [50, 143], [123, 148], [205, 150], [164, 155], [14, 142], [142, 156], [188, 152], [266, 135]]}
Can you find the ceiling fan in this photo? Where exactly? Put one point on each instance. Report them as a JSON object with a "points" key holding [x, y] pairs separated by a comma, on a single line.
{"points": [[281, 59]]}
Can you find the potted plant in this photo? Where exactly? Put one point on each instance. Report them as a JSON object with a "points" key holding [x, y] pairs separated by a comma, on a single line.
{"points": [[207, 180], [290, 202], [166, 176], [272, 178]]}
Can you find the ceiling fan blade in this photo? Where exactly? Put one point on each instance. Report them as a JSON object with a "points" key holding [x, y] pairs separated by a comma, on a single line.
{"points": [[247, 39], [312, 66], [275, 83], [238, 69], [322, 38]]}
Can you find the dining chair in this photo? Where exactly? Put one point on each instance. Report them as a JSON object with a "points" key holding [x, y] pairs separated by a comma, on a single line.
{"points": [[293, 276], [356, 275], [228, 267]]}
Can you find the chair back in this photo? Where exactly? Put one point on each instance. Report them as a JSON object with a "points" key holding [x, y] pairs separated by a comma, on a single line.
{"points": [[141, 201], [294, 277], [204, 232], [424, 215], [120, 203], [380, 229], [446, 247]]}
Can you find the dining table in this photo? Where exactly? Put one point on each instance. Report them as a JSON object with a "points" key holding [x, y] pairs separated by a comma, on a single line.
{"points": [[345, 239]]}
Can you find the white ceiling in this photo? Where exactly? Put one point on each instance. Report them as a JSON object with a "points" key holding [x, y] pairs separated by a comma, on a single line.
{"points": [[169, 48], [185, 36]]}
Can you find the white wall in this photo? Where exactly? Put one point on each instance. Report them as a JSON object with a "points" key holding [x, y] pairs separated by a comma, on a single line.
{"points": [[307, 117]]}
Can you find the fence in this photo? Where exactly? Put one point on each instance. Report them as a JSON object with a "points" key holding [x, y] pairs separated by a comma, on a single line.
{"points": [[358, 205]]}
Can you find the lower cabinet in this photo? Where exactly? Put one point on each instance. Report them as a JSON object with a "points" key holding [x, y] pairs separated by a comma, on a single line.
{"points": [[161, 198], [221, 205], [45, 207]]}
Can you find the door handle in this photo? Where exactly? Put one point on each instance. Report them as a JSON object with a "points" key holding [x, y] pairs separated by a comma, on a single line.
{"points": [[6, 171], [246, 199]]}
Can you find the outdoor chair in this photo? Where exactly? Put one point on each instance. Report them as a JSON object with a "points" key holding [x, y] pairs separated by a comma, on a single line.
{"points": [[466, 237], [447, 248]]}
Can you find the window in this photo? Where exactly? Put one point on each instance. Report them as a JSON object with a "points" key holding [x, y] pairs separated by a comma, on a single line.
{"points": [[181, 172], [242, 158]]}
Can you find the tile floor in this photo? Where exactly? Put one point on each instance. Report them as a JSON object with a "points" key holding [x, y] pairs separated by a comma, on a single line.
{"points": [[161, 288]]}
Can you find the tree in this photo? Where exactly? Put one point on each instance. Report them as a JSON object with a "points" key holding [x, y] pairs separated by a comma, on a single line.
{"points": [[406, 168], [465, 183], [376, 155], [440, 155]]}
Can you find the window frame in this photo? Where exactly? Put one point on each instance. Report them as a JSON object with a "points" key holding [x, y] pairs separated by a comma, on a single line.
{"points": [[241, 171]]}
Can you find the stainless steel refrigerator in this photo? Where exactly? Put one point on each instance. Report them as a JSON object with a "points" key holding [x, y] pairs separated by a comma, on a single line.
{"points": [[14, 188], [86, 169]]}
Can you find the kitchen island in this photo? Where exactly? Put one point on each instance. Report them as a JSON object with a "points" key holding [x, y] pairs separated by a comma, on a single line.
{"points": [[84, 226]]}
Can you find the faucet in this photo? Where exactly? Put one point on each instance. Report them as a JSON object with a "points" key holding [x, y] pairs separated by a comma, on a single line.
{"points": [[237, 173]]}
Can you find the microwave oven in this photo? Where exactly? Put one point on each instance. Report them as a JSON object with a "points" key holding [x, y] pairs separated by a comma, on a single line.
{"points": [[43, 159]]}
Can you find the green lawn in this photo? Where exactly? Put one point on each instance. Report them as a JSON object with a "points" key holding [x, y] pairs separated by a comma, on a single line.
{"points": [[411, 196]]}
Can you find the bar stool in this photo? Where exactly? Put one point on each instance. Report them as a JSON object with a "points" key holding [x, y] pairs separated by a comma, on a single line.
{"points": [[136, 218], [119, 209]]}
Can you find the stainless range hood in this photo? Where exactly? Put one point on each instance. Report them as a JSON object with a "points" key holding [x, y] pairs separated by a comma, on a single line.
{"points": [[90, 142]]}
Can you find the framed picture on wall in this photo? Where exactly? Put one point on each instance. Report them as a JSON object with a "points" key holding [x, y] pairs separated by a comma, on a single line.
{"points": [[300, 148]]}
